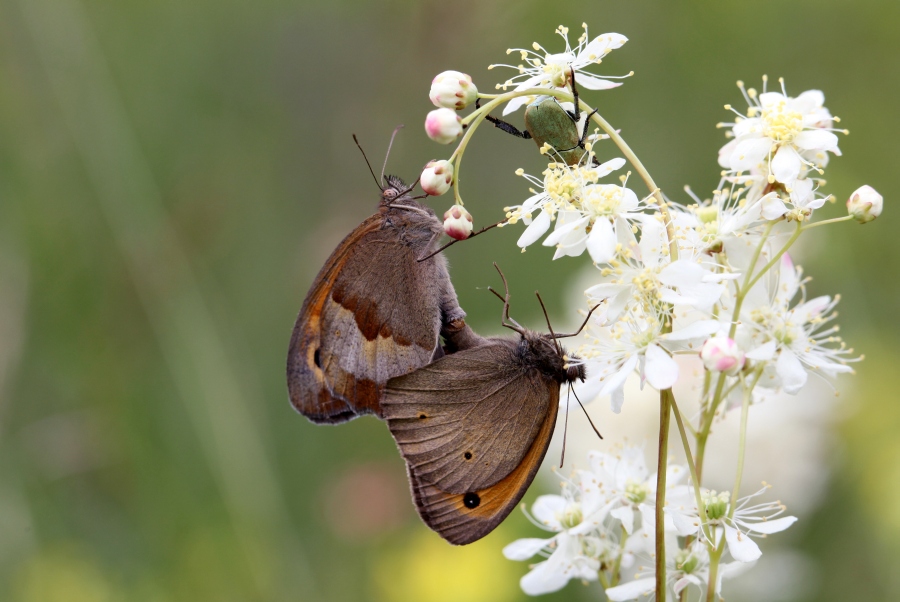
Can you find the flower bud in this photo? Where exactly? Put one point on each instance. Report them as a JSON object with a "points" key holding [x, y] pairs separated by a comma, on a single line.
{"points": [[458, 222], [437, 177], [722, 354], [452, 90], [443, 125], [864, 204]]}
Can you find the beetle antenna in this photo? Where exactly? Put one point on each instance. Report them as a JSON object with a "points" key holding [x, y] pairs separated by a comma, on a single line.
{"points": [[371, 171], [388, 153]]}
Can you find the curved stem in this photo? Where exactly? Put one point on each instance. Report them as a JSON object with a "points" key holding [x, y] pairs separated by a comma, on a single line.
{"points": [[642, 171], [828, 221]]}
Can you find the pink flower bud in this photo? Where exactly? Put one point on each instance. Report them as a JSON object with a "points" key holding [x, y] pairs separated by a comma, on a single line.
{"points": [[864, 204], [458, 222], [443, 125], [722, 354], [453, 90], [437, 177]]}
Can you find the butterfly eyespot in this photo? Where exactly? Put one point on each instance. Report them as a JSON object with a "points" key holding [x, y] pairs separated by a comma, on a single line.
{"points": [[467, 455], [422, 416], [471, 500], [317, 359]]}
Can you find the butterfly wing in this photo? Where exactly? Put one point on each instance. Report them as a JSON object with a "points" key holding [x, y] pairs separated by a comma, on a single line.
{"points": [[473, 427], [373, 312]]}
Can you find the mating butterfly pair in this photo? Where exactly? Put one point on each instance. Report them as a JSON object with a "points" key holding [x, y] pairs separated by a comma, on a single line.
{"points": [[472, 418]]}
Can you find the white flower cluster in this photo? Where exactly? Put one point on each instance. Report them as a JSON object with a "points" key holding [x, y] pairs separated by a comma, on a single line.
{"points": [[603, 528], [711, 280]]}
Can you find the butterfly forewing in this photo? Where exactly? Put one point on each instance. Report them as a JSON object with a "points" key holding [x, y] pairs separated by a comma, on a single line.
{"points": [[373, 312]]}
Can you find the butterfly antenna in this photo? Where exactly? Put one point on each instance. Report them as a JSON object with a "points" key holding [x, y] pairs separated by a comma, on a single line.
{"points": [[454, 241], [547, 318], [371, 171], [583, 409], [583, 324], [513, 325], [562, 456], [388, 154]]}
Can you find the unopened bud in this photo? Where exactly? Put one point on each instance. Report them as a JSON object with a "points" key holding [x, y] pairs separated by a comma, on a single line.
{"points": [[458, 222], [452, 90], [437, 177], [443, 125], [722, 354], [865, 204]]}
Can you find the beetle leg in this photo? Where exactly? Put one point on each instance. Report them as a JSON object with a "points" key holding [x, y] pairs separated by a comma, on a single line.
{"points": [[506, 127], [576, 114], [587, 127]]}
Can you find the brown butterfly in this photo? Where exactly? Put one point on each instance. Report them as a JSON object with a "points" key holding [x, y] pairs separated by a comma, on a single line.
{"points": [[374, 311], [474, 426]]}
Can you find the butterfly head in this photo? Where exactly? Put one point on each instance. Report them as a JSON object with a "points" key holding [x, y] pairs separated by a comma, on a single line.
{"points": [[544, 353]]}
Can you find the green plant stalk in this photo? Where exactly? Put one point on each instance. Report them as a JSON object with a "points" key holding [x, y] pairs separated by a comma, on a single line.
{"points": [[665, 411]]}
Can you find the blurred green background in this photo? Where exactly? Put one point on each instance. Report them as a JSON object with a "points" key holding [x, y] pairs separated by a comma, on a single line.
{"points": [[173, 173]]}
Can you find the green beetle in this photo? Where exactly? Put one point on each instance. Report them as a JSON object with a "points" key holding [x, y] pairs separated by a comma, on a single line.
{"points": [[547, 122]]}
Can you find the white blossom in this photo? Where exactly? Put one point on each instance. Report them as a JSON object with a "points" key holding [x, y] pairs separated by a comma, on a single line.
{"points": [[542, 69]]}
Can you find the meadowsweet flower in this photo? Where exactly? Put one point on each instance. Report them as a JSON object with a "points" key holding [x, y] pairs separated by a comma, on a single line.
{"points": [[587, 214], [541, 69], [640, 273], [443, 125], [784, 136], [684, 567], [575, 550], [746, 520], [865, 204], [452, 90], [791, 341], [437, 177]]}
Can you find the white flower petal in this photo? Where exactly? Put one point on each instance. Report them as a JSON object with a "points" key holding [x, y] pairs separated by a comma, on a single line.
{"points": [[535, 230], [608, 167], [564, 227], [770, 526], [695, 330], [631, 590], [772, 207], [523, 549], [626, 516], [546, 508], [592, 82], [741, 547], [816, 140], [601, 242], [661, 370], [750, 153], [786, 165], [651, 243], [793, 375], [763, 353]]}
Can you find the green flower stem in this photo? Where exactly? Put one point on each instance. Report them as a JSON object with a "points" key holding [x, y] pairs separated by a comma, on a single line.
{"points": [[742, 443], [665, 412], [708, 414], [768, 266], [701, 507], [617, 565], [642, 171], [828, 221]]}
